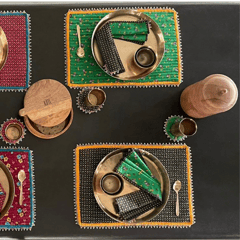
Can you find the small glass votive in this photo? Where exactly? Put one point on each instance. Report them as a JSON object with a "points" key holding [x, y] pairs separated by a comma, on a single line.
{"points": [[185, 128], [145, 57], [95, 97], [111, 184]]}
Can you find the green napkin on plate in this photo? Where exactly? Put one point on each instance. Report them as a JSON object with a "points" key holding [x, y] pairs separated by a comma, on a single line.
{"points": [[135, 170], [133, 31]]}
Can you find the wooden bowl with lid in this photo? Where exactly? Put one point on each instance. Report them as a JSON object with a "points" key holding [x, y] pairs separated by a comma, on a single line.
{"points": [[47, 109]]}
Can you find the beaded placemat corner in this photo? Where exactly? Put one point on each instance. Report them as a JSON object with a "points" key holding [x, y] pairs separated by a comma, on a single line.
{"points": [[20, 217], [15, 74], [175, 158], [86, 72]]}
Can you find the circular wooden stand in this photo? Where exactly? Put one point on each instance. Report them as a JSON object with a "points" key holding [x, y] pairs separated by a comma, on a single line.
{"points": [[47, 109]]}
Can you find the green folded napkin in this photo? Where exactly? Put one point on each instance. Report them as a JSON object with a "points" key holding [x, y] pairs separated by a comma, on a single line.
{"points": [[133, 169], [136, 32]]}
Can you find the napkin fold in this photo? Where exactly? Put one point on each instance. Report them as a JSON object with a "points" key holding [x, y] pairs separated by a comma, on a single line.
{"points": [[134, 169], [132, 205], [133, 31], [108, 50]]}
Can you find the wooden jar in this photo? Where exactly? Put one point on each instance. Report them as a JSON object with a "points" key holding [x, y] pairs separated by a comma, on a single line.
{"points": [[47, 109], [215, 94]]}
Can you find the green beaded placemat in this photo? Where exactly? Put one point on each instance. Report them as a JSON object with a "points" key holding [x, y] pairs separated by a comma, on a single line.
{"points": [[85, 72]]}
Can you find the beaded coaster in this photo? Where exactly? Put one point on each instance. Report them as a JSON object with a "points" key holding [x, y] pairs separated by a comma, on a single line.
{"points": [[176, 158], [19, 217], [82, 105], [15, 75], [167, 128], [12, 131]]}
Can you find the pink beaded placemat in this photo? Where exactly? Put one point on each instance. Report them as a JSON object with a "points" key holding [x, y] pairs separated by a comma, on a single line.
{"points": [[15, 75], [19, 217]]}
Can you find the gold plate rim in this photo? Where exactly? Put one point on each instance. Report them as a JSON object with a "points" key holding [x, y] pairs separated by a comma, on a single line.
{"points": [[4, 42], [11, 189], [166, 187], [158, 33]]}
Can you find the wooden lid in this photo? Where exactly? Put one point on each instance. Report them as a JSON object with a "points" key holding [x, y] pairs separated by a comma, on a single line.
{"points": [[220, 91], [47, 103]]}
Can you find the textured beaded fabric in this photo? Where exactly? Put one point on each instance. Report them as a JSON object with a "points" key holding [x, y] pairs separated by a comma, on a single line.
{"points": [[19, 217], [112, 62], [175, 158], [15, 74], [86, 72]]}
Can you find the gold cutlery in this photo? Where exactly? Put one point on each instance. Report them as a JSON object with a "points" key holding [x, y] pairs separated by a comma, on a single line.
{"points": [[176, 188], [21, 178], [80, 50]]}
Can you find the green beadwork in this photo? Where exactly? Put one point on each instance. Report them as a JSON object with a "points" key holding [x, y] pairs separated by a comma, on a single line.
{"points": [[134, 169], [87, 71], [131, 31]]}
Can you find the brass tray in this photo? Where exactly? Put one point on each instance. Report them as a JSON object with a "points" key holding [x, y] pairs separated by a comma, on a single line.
{"points": [[3, 48], [127, 49], [8, 185], [107, 165]]}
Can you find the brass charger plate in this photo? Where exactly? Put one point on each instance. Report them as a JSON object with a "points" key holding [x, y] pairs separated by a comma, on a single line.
{"points": [[8, 184], [3, 48], [107, 165], [127, 49]]}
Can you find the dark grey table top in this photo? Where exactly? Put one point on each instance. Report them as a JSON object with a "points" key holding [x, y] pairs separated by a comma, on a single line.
{"points": [[210, 44]]}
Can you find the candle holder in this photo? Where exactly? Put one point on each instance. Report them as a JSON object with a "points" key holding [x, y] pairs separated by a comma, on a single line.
{"points": [[177, 128], [91, 100], [12, 131]]}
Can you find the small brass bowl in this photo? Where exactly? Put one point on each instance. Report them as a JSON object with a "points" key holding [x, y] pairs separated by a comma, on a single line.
{"points": [[111, 184], [145, 57], [95, 97], [186, 127], [14, 132]]}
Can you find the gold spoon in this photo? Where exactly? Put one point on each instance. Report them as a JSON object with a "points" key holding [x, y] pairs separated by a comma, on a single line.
{"points": [[80, 50], [21, 178], [176, 188]]}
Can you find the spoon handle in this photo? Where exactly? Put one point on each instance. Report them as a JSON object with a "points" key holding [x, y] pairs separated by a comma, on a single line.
{"points": [[21, 195], [79, 35], [177, 205]]}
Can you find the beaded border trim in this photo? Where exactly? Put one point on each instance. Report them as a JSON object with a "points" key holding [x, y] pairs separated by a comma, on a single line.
{"points": [[32, 192], [81, 102], [29, 54], [124, 85], [5, 125], [165, 131], [117, 225]]}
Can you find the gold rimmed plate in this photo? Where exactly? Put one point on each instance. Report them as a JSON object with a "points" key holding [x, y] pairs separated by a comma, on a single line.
{"points": [[7, 183], [106, 201], [3, 48], [128, 49]]}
